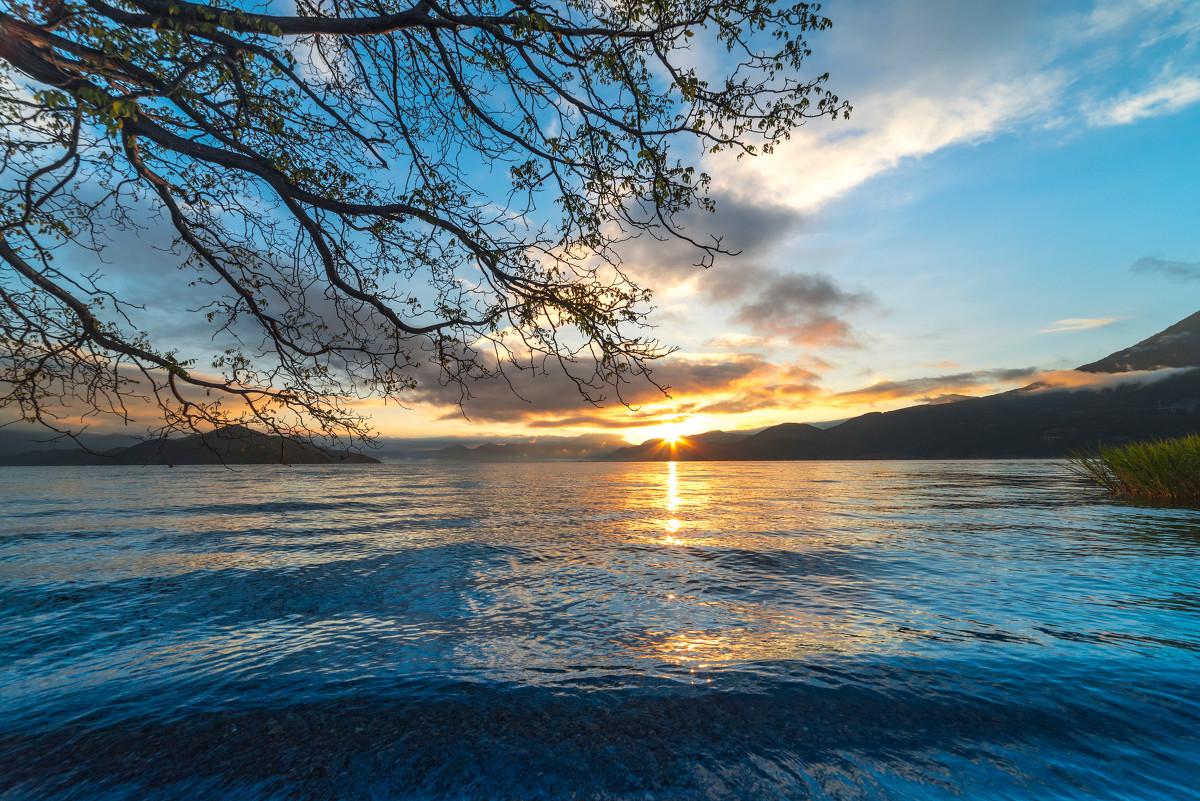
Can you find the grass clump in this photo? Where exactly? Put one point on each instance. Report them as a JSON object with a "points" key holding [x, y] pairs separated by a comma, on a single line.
{"points": [[1165, 470]]}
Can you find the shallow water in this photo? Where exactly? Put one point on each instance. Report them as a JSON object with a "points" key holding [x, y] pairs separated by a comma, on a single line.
{"points": [[593, 631]]}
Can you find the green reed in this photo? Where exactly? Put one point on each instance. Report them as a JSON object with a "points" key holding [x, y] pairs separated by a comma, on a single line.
{"points": [[1167, 469]]}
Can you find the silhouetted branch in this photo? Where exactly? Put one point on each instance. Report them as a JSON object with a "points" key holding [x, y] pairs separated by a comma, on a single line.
{"points": [[370, 189]]}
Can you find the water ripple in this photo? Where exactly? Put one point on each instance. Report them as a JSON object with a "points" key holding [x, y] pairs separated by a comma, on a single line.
{"points": [[800, 630]]}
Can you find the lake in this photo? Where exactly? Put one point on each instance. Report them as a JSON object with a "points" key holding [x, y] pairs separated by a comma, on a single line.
{"points": [[852, 630]]}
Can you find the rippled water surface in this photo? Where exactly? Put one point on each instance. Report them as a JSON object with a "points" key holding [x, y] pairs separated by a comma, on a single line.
{"points": [[593, 631]]}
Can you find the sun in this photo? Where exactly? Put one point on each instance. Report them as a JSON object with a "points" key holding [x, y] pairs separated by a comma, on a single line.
{"points": [[672, 434], [673, 443]]}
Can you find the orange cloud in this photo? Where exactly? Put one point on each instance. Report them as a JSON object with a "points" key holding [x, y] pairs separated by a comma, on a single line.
{"points": [[933, 388], [1053, 380]]}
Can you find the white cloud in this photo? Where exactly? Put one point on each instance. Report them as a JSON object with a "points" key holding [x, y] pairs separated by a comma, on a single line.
{"points": [[960, 74], [1167, 97], [1080, 324], [1148, 21], [825, 160], [736, 342]]}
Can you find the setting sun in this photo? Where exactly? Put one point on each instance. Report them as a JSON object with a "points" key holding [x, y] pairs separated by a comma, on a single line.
{"points": [[578, 399], [674, 433]]}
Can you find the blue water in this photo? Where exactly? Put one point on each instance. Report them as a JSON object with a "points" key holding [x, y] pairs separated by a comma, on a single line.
{"points": [[590, 631]]}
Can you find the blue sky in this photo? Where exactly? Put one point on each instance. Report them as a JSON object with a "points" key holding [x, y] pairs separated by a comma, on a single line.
{"points": [[1005, 167], [973, 225], [974, 250]]}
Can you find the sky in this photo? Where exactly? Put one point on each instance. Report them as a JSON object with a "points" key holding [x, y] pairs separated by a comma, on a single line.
{"points": [[1016, 192]]}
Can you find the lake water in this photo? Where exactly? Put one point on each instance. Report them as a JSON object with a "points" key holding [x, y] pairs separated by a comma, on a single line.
{"points": [[747, 631]]}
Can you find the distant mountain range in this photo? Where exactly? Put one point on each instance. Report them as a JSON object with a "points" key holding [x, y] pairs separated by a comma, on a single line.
{"points": [[1146, 391], [16, 440], [1153, 392], [547, 449], [229, 445]]}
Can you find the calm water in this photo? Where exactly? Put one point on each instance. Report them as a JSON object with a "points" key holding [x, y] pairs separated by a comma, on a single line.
{"points": [[586, 631]]}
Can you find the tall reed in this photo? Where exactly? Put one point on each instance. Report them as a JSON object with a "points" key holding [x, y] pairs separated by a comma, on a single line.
{"points": [[1167, 469]]}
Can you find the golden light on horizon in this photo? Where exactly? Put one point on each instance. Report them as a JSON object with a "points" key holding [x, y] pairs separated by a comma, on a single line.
{"points": [[669, 434], [673, 445]]}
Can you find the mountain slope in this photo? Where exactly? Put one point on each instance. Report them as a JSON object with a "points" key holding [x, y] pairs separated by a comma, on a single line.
{"points": [[1177, 346], [1033, 422], [1020, 424]]}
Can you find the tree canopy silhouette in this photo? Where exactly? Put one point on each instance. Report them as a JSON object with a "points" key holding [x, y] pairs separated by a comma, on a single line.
{"points": [[362, 190]]}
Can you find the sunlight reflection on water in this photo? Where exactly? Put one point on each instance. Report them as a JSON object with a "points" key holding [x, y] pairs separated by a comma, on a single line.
{"points": [[649, 631]]}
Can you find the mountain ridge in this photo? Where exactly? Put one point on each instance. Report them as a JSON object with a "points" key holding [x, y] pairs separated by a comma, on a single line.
{"points": [[1155, 393], [1174, 346], [1152, 391], [228, 445]]}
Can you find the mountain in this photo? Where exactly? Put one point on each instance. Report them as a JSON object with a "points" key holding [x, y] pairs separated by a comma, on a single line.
{"points": [[541, 450], [586, 447], [1150, 390], [228, 445], [1177, 346], [14, 440], [1027, 423], [720, 437], [1036, 421]]}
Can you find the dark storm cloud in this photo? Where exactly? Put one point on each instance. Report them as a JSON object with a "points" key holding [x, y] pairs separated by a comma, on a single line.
{"points": [[803, 307], [1176, 270], [934, 387]]}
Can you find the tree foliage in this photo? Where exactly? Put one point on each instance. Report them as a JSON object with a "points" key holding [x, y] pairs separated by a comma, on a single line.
{"points": [[364, 189]]}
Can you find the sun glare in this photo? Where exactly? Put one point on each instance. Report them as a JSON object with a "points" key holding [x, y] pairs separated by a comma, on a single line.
{"points": [[671, 434]]}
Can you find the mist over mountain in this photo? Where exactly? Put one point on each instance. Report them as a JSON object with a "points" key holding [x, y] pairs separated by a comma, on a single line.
{"points": [[540, 449], [1177, 346], [1154, 392], [1146, 391]]}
